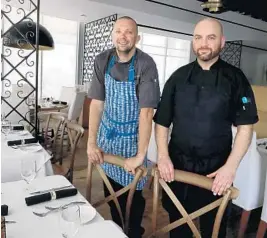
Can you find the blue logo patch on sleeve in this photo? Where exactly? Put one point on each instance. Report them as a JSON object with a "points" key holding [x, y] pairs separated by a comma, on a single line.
{"points": [[245, 100]]}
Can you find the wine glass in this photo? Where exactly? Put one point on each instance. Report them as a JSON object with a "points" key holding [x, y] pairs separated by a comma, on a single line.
{"points": [[69, 220], [6, 127], [28, 170]]}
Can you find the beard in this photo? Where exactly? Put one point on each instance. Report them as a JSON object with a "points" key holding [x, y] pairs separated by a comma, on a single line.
{"points": [[125, 49], [208, 55]]}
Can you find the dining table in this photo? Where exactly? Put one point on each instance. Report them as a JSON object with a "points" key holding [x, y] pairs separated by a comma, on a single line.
{"points": [[22, 222], [11, 157]]}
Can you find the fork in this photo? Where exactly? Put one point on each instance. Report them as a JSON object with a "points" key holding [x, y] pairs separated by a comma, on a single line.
{"points": [[51, 209], [43, 214], [66, 205]]}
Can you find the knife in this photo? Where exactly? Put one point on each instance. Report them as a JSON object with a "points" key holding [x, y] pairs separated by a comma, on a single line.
{"points": [[51, 189], [10, 222]]}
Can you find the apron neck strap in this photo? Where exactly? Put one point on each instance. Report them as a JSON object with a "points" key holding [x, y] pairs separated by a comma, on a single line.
{"points": [[131, 71]]}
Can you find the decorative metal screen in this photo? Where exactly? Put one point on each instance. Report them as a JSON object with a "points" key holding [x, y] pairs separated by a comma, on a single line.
{"points": [[19, 76], [231, 52], [97, 38]]}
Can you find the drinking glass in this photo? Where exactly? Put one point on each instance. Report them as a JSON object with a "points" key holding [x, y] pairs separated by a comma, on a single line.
{"points": [[28, 170], [6, 127], [69, 220]]}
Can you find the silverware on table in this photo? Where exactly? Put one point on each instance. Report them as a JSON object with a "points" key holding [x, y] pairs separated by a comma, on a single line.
{"points": [[51, 189], [43, 214], [66, 205], [55, 209], [10, 222]]}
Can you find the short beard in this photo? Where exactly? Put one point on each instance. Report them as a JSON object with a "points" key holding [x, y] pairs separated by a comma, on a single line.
{"points": [[207, 57], [125, 51]]}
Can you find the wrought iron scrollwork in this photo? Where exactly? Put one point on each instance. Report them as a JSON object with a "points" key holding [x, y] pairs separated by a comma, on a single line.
{"points": [[18, 77]]}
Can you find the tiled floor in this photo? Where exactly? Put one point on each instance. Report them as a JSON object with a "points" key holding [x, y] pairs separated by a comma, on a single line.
{"points": [[97, 193]]}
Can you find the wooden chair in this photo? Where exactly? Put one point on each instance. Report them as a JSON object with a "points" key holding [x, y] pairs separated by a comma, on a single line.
{"points": [[53, 123], [196, 180], [115, 160], [75, 132]]}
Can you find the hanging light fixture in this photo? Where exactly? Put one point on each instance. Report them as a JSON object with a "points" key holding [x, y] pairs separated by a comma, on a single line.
{"points": [[23, 36], [213, 6]]}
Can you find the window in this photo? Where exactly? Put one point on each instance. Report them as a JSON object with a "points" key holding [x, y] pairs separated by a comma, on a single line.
{"points": [[169, 53], [59, 65]]}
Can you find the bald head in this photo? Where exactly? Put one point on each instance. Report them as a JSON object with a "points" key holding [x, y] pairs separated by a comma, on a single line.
{"points": [[211, 24], [208, 39]]}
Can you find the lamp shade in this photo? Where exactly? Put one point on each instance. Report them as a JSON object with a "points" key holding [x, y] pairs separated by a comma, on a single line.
{"points": [[23, 36]]}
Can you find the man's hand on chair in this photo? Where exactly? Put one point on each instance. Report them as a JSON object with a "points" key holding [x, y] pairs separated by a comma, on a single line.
{"points": [[165, 168], [132, 163], [94, 154], [223, 179]]}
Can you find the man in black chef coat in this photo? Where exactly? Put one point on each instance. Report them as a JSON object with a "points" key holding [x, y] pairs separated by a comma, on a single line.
{"points": [[203, 100]]}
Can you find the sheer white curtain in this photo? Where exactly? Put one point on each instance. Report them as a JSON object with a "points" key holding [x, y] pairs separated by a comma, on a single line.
{"points": [[59, 65]]}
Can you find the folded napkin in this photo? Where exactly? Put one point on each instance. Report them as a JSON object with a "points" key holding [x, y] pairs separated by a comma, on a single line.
{"points": [[50, 196], [18, 128], [63, 103], [20, 142], [4, 210]]}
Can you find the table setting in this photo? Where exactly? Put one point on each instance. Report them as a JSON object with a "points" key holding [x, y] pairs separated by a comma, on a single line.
{"points": [[52, 207], [19, 146], [49, 104]]}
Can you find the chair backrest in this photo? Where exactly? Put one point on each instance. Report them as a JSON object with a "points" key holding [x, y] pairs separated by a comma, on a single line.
{"points": [[67, 94], [75, 132], [196, 180], [53, 121], [118, 161], [76, 106]]}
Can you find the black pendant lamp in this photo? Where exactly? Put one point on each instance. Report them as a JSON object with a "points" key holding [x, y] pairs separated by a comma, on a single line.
{"points": [[23, 36]]}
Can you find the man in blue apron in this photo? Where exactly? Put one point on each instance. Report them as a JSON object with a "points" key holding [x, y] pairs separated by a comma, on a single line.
{"points": [[125, 91], [203, 100]]}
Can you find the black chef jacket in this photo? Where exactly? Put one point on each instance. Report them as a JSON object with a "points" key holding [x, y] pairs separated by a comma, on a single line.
{"points": [[198, 133]]}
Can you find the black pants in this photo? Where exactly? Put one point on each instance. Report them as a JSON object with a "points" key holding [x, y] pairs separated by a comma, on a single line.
{"points": [[136, 213], [192, 198]]}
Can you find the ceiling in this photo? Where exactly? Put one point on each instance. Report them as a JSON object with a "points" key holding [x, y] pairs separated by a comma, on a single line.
{"points": [[173, 15], [256, 8]]}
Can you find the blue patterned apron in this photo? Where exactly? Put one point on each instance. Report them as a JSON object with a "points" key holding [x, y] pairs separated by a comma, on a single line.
{"points": [[118, 130]]}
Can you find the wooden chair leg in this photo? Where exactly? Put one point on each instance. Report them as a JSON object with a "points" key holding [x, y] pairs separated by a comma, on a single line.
{"points": [[243, 223], [262, 229], [150, 182]]}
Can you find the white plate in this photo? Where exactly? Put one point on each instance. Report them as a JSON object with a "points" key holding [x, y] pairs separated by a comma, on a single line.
{"points": [[87, 213], [31, 148]]}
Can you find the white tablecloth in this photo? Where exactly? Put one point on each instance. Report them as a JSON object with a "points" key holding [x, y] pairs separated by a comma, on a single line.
{"points": [[29, 225], [11, 159], [250, 178]]}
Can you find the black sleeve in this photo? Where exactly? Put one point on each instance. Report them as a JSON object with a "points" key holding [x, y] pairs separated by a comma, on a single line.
{"points": [[165, 111], [245, 110], [97, 85], [149, 91]]}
